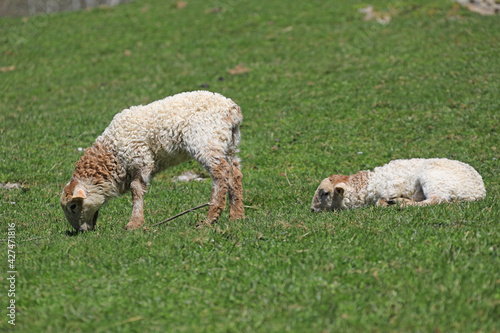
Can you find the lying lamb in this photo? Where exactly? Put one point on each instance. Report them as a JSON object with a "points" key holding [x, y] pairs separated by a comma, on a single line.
{"points": [[410, 182], [144, 140]]}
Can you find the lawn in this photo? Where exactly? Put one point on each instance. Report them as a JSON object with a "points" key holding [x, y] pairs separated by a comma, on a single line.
{"points": [[322, 91]]}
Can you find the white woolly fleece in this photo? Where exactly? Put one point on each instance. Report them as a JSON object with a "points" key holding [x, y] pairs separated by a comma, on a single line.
{"points": [[153, 137], [419, 179]]}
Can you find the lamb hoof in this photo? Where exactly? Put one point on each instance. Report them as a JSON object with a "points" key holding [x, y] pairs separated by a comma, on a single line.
{"points": [[236, 217], [404, 201], [132, 225], [383, 202], [391, 202]]}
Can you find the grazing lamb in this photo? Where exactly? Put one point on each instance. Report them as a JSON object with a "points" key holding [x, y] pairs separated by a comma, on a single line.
{"points": [[410, 182], [144, 140]]}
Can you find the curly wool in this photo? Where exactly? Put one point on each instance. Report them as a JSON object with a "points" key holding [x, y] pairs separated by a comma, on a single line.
{"points": [[97, 164], [419, 179], [167, 132]]}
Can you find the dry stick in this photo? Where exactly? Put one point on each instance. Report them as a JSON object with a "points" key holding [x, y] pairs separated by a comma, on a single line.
{"points": [[180, 214], [169, 219], [287, 179]]}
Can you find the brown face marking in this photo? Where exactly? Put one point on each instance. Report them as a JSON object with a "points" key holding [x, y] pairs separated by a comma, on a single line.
{"points": [[327, 196], [97, 163], [97, 166], [69, 190], [336, 179]]}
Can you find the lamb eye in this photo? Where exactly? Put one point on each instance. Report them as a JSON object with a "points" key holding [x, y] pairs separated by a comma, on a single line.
{"points": [[324, 194], [72, 207]]}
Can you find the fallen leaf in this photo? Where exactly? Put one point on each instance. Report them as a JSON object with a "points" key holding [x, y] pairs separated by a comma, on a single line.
{"points": [[181, 4], [7, 69], [127, 53], [239, 69]]}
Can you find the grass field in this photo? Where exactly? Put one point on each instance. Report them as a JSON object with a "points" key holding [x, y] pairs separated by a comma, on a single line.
{"points": [[324, 92]]}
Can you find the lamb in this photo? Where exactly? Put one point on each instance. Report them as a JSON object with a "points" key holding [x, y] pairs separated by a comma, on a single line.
{"points": [[144, 140], [414, 182]]}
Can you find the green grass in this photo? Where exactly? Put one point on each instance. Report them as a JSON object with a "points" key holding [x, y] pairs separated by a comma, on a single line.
{"points": [[327, 92]]}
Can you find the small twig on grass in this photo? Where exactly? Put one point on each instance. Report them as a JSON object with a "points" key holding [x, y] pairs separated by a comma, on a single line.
{"points": [[180, 214], [252, 207], [232, 247], [287, 179], [54, 166]]}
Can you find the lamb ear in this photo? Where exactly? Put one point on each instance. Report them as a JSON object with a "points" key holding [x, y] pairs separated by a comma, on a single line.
{"points": [[339, 189], [79, 193]]}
